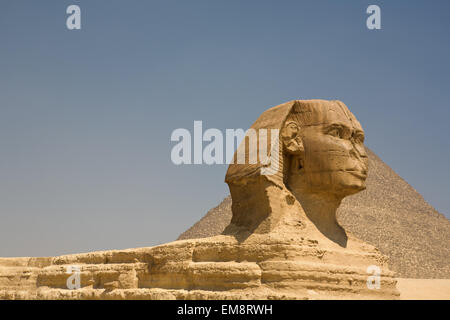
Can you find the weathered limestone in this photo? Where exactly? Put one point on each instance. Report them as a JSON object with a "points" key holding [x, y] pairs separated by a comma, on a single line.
{"points": [[222, 267], [283, 241]]}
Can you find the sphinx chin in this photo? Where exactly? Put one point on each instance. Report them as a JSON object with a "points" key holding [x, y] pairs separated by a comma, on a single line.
{"points": [[349, 184], [352, 189]]}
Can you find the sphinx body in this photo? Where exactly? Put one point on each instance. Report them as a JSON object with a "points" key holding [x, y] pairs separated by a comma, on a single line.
{"points": [[283, 240]]}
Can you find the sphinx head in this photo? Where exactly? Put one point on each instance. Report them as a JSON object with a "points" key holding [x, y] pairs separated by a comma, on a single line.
{"points": [[319, 157], [324, 148]]}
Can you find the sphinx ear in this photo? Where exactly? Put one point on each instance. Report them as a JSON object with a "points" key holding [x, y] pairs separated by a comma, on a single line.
{"points": [[291, 138]]}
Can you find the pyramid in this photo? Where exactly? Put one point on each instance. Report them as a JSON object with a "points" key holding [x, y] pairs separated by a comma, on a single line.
{"points": [[389, 214]]}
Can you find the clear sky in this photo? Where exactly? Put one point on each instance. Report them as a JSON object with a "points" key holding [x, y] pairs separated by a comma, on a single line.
{"points": [[86, 115]]}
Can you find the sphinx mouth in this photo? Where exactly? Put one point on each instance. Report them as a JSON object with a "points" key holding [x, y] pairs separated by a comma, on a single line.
{"points": [[358, 173]]}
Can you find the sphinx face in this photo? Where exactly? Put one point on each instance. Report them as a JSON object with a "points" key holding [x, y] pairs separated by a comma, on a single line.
{"points": [[334, 160]]}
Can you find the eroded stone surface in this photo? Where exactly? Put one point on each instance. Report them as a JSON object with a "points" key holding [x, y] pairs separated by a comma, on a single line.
{"points": [[222, 267]]}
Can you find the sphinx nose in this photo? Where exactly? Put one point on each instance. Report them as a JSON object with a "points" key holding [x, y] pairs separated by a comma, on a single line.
{"points": [[358, 148], [358, 151]]}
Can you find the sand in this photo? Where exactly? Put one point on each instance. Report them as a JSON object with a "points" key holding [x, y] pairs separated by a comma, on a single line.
{"points": [[424, 289]]}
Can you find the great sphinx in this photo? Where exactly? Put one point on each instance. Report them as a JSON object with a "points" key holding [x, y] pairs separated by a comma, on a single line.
{"points": [[321, 159], [283, 242]]}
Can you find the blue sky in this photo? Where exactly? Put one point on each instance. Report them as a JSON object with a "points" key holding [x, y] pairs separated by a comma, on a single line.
{"points": [[86, 116]]}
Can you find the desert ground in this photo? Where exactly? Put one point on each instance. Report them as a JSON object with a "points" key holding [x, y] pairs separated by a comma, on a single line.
{"points": [[424, 289]]}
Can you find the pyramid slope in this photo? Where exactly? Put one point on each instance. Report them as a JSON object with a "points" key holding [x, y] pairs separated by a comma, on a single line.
{"points": [[390, 215]]}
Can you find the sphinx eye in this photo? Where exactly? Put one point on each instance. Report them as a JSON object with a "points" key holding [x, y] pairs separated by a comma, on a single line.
{"points": [[335, 132], [359, 137]]}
